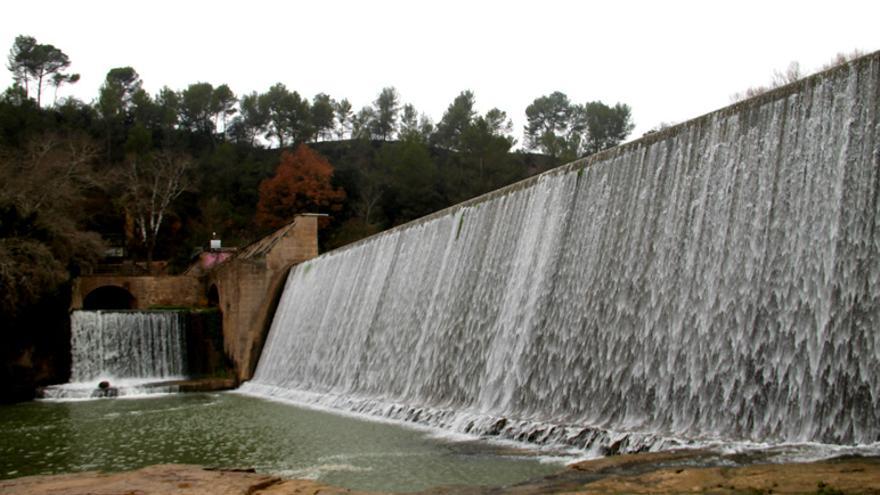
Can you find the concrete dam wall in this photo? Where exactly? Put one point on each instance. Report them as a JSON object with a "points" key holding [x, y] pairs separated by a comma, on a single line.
{"points": [[718, 281]]}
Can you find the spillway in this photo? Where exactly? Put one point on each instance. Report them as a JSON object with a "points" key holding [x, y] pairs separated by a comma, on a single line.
{"points": [[718, 281], [131, 350], [127, 344]]}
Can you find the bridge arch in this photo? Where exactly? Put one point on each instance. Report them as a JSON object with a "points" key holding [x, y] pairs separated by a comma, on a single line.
{"points": [[109, 297]]}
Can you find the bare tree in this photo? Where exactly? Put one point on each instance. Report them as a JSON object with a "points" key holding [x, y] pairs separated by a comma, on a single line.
{"points": [[50, 175], [152, 184], [843, 58], [43, 189], [791, 74]]}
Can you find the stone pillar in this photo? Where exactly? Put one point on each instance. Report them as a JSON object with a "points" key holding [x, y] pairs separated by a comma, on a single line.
{"points": [[251, 284]]}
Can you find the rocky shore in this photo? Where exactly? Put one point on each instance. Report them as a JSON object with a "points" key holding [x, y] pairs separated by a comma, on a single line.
{"points": [[663, 473]]}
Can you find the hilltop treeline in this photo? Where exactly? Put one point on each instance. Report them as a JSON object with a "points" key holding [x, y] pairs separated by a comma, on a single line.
{"points": [[393, 162]]}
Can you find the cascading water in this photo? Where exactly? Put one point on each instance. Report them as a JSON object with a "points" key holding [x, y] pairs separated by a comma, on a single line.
{"points": [[127, 344], [126, 348], [720, 281]]}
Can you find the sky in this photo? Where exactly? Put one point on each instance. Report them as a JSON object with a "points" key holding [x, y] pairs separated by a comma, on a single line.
{"points": [[670, 61]]}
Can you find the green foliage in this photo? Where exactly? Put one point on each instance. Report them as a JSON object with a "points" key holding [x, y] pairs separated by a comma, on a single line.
{"points": [[252, 120], [606, 126], [412, 181], [344, 115], [116, 95], [387, 106], [456, 119], [323, 115], [550, 125], [196, 108], [288, 116], [362, 124], [33, 63], [567, 131], [223, 102], [413, 125], [236, 142]]}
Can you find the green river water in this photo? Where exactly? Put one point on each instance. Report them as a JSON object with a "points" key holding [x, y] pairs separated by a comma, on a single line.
{"points": [[229, 430]]}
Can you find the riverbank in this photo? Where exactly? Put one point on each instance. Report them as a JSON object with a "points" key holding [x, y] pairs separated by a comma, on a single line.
{"points": [[655, 473]]}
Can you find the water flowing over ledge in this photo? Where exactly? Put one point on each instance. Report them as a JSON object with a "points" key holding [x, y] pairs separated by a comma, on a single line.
{"points": [[717, 282], [128, 349]]}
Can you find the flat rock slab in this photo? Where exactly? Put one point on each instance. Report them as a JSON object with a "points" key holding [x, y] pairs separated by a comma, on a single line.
{"points": [[633, 474], [171, 479], [819, 477], [830, 477]]}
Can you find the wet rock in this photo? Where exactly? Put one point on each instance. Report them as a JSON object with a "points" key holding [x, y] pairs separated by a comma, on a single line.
{"points": [[497, 427], [105, 392]]}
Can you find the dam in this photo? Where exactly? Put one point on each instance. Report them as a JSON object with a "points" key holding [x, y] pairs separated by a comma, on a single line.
{"points": [[718, 281]]}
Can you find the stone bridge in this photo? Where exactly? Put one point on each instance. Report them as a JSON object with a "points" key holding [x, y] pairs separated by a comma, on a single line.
{"points": [[246, 288]]}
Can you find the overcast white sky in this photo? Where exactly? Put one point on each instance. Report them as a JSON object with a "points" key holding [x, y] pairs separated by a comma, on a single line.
{"points": [[669, 60]]}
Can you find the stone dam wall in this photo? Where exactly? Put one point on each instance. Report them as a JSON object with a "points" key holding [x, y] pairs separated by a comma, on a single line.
{"points": [[717, 281]]}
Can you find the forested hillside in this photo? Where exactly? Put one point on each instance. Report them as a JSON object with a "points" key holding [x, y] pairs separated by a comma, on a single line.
{"points": [[157, 175]]}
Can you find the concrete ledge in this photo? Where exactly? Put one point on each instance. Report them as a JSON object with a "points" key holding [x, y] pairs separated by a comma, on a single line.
{"points": [[199, 384]]}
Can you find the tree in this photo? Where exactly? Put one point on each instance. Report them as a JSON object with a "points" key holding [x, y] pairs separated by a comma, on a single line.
{"points": [[32, 61], [115, 97], [144, 110], [413, 125], [152, 182], [458, 116], [50, 176], [251, 121], [549, 126], [115, 104], [486, 142], [223, 102], [344, 117], [301, 184], [168, 108], [606, 126], [322, 116], [19, 54], [780, 78], [197, 108], [41, 210], [566, 131], [287, 115], [363, 124], [58, 79], [411, 181], [386, 108]]}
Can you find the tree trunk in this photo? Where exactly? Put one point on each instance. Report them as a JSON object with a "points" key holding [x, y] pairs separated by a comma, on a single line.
{"points": [[151, 245], [39, 91]]}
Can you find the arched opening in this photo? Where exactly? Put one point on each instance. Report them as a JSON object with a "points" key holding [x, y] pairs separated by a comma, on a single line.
{"points": [[213, 296], [109, 297]]}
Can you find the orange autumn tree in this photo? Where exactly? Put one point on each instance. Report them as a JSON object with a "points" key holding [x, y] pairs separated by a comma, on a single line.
{"points": [[301, 185]]}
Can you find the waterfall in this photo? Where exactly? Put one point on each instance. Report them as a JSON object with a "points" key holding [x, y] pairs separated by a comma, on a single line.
{"points": [[126, 344], [132, 350], [718, 281]]}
